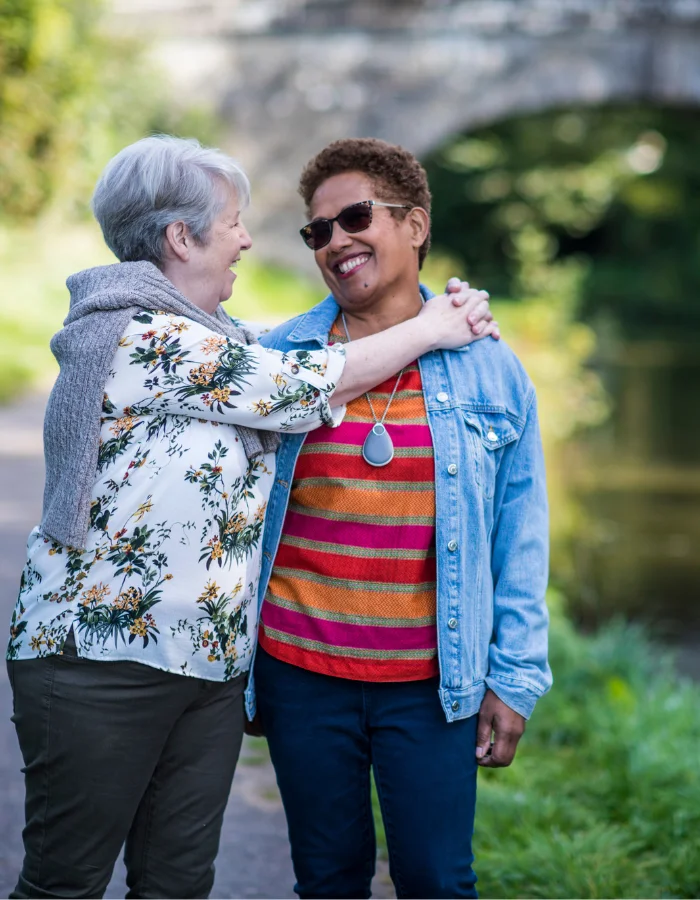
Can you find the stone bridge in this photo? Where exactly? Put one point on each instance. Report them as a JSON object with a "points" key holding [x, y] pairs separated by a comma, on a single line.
{"points": [[288, 76]]}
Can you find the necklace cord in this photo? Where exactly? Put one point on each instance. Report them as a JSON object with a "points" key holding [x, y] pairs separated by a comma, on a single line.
{"points": [[386, 408]]}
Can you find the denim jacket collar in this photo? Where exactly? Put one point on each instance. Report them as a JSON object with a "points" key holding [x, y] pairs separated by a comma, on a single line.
{"points": [[315, 325]]}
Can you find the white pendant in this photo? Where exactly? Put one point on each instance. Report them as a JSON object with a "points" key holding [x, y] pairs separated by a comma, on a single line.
{"points": [[378, 449]]}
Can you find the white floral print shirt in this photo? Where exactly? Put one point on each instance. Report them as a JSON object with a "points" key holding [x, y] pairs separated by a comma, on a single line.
{"points": [[170, 572]]}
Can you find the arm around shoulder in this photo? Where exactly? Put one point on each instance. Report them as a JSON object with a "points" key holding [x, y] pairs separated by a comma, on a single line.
{"points": [[173, 365]]}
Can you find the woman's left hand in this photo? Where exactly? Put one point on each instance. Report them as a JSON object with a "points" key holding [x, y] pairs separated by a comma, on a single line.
{"points": [[477, 305]]}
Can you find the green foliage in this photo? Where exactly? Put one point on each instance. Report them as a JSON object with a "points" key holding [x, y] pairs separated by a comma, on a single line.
{"points": [[603, 799], [270, 294], [525, 199], [70, 97]]}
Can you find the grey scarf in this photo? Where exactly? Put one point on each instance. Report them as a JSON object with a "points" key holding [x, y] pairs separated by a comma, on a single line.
{"points": [[102, 303]]}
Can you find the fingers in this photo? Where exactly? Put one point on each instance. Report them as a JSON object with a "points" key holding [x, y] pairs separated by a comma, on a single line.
{"points": [[469, 299], [502, 751], [480, 316], [487, 326], [484, 730], [454, 285], [507, 726], [254, 727]]}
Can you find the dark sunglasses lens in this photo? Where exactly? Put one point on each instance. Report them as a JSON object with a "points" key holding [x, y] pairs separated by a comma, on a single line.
{"points": [[355, 218], [317, 234]]}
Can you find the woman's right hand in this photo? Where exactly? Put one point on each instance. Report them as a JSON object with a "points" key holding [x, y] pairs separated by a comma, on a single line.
{"points": [[453, 318]]}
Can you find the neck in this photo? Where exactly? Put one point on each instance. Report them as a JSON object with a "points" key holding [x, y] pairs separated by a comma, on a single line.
{"points": [[195, 291], [392, 309]]}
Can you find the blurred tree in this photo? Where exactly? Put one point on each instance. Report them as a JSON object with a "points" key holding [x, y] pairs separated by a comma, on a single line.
{"points": [[518, 201], [590, 220], [70, 97]]}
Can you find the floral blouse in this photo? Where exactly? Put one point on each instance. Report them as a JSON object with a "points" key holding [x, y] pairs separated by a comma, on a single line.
{"points": [[170, 572]]}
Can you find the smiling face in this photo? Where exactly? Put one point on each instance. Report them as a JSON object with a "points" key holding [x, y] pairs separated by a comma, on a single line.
{"points": [[211, 264], [369, 268]]}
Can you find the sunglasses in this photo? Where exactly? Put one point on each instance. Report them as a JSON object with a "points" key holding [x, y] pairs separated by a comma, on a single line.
{"points": [[352, 219]]}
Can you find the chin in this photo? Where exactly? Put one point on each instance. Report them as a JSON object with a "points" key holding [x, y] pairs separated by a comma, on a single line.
{"points": [[358, 294], [225, 295]]}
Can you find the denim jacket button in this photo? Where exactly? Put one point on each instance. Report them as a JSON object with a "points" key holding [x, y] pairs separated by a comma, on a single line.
{"points": [[452, 469], [442, 397], [455, 705], [452, 546], [452, 623]]}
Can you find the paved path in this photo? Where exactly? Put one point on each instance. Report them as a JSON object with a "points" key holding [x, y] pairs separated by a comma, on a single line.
{"points": [[254, 856]]}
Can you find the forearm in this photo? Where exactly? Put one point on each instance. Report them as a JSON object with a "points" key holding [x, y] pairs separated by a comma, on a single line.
{"points": [[373, 359]]}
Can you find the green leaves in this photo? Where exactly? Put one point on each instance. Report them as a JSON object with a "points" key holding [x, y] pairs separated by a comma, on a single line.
{"points": [[612, 193], [70, 97], [603, 799]]}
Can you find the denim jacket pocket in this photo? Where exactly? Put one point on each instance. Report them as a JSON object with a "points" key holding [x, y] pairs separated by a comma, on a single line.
{"points": [[491, 429]]}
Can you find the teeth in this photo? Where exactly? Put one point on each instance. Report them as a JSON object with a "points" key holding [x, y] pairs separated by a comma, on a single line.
{"points": [[353, 263]]}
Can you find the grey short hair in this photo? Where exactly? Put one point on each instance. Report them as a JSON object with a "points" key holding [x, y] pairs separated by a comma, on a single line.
{"points": [[159, 180]]}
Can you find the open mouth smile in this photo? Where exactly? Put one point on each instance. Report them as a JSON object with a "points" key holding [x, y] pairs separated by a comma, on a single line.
{"points": [[346, 267]]}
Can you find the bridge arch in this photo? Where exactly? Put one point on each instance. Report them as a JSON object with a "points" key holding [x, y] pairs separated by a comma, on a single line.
{"points": [[288, 76]]}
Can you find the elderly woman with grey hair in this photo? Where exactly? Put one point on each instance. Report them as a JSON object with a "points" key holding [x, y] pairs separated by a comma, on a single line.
{"points": [[135, 621]]}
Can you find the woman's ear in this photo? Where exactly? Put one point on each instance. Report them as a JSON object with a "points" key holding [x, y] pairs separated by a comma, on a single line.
{"points": [[419, 224], [178, 241]]}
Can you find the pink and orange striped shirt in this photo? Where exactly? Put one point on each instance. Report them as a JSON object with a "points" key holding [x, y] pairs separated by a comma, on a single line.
{"points": [[353, 588]]}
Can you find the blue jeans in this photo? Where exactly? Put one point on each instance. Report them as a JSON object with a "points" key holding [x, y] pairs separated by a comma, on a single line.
{"points": [[325, 734]]}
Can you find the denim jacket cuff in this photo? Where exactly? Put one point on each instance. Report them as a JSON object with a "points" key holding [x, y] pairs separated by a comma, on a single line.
{"points": [[519, 695]]}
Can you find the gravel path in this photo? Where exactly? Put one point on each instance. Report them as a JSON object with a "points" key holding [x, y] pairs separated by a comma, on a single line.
{"points": [[254, 855]]}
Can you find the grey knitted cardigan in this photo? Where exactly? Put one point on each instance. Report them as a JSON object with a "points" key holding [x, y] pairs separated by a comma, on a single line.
{"points": [[102, 303]]}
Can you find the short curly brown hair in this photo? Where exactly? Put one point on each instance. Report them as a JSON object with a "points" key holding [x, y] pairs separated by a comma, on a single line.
{"points": [[397, 175]]}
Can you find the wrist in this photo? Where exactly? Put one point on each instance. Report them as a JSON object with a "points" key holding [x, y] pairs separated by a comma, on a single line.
{"points": [[419, 336]]}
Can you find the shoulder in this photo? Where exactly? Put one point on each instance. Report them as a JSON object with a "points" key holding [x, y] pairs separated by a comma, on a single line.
{"points": [[495, 374], [257, 329], [309, 330], [278, 338], [165, 324], [499, 355]]}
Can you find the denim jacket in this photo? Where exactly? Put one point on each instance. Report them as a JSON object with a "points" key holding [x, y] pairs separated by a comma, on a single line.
{"points": [[491, 517]]}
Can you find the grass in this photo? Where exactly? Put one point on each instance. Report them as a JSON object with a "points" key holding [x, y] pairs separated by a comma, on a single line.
{"points": [[603, 799]]}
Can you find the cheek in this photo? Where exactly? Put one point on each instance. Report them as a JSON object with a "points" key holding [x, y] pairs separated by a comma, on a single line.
{"points": [[397, 253], [321, 260]]}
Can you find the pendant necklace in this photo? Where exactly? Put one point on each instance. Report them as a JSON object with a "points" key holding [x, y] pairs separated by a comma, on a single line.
{"points": [[378, 448]]}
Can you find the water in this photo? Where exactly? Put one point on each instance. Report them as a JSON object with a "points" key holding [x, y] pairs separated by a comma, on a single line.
{"points": [[638, 485]]}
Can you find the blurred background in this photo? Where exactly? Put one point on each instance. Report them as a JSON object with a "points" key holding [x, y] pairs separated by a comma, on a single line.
{"points": [[562, 143]]}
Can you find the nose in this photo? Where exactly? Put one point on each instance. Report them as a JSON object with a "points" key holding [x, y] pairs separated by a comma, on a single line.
{"points": [[339, 239], [246, 240]]}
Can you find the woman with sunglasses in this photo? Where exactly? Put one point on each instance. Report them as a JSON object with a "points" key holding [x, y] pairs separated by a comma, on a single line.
{"points": [[403, 626]]}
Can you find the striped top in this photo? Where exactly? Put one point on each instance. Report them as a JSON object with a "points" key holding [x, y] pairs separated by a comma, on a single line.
{"points": [[353, 588]]}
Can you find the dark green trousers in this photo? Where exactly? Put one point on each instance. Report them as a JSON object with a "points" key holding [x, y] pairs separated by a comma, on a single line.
{"points": [[121, 753]]}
